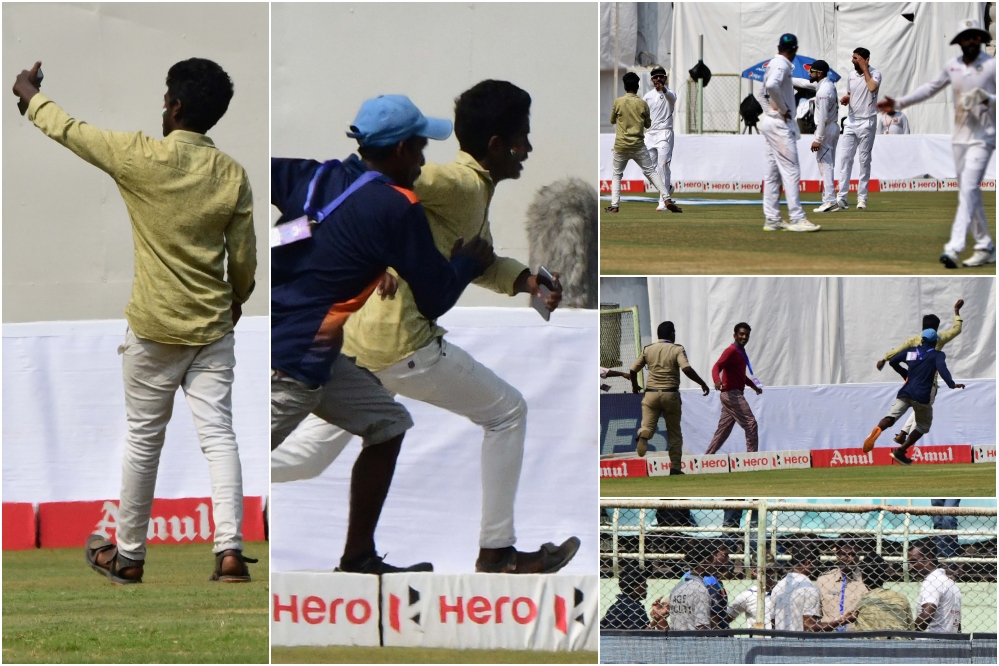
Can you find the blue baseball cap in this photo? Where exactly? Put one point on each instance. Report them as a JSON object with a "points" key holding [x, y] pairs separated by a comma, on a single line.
{"points": [[930, 335], [787, 41], [389, 119]]}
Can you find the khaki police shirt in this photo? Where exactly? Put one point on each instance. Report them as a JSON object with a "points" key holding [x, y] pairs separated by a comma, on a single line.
{"points": [[632, 117], [831, 590], [192, 224], [664, 360], [883, 610]]}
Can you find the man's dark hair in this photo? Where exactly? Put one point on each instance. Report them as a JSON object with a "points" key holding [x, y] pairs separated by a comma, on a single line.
{"points": [[803, 551], [862, 52], [931, 321], [874, 571], [927, 549], [487, 109], [742, 324], [204, 90], [666, 331], [630, 82], [380, 153]]}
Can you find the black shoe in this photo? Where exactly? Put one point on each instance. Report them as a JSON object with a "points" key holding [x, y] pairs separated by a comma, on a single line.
{"points": [[373, 564], [900, 458], [676, 472], [948, 260], [611, 209]]}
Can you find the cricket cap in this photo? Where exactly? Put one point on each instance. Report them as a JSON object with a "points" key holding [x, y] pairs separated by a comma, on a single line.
{"points": [[972, 26], [787, 41], [388, 119], [657, 71], [820, 66], [930, 335]]}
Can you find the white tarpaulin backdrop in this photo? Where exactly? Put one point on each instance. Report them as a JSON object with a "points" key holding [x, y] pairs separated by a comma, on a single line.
{"points": [[836, 416], [733, 158], [433, 509], [64, 415], [825, 330]]}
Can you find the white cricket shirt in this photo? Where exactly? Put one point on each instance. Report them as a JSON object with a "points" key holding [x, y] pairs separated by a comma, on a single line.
{"points": [[863, 102], [744, 604], [825, 107], [690, 606], [793, 598], [979, 124], [938, 589], [660, 108], [778, 89]]}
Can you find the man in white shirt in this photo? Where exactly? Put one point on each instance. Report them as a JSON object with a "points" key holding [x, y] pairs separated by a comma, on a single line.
{"points": [[893, 123], [780, 130], [973, 77], [861, 98], [745, 603], [659, 137], [939, 601], [796, 602], [826, 130]]}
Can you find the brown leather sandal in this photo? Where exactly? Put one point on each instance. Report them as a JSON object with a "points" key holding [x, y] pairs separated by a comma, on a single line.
{"points": [[230, 567], [552, 558], [117, 568]]}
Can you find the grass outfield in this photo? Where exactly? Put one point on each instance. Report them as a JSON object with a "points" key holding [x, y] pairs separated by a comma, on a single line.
{"points": [[56, 609], [971, 480], [899, 234], [398, 655]]}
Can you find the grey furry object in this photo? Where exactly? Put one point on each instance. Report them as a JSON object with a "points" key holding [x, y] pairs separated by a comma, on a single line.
{"points": [[562, 236]]}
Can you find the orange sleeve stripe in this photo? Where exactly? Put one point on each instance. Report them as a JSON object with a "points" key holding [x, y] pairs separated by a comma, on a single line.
{"points": [[409, 194], [338, 313]]}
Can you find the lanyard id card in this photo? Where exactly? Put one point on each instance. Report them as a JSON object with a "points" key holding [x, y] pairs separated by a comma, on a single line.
{"points": [[749, 366]]}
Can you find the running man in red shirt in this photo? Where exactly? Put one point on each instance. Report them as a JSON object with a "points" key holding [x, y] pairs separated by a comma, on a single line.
{"points": [[732, 364]]}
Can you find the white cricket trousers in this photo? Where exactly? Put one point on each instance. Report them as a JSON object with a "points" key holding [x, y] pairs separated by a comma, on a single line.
{"points": [[642, 159], [858, 135], [153, 372], [826, 159], [970, 162], [782, 168], [446, 376], [660, 146]]}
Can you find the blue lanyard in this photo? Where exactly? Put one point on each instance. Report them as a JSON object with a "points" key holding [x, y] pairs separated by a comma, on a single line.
{"points": [[744, 356], [842, 599], [322, 214]]}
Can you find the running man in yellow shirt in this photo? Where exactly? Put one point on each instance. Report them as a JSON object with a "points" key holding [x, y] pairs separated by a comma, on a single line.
{"points": [[191, 210], [409, 353]]}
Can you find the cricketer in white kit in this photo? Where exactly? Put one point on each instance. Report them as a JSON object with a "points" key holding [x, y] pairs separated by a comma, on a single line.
{"points": [[659, 137], [826, 130], [780, 130], [973, 78], [861, 99]]}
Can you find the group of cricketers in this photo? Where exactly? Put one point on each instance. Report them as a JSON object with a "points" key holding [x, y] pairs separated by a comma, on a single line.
{"points": [[644, 134], [921, 355]]}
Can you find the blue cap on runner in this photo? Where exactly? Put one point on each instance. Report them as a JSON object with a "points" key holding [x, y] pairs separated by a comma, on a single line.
{"points": [[389, 119]]}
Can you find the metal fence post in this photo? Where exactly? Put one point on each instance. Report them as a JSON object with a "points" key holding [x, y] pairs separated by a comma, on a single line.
{"points": [[761, 564], [614, 548], [641, 539]]}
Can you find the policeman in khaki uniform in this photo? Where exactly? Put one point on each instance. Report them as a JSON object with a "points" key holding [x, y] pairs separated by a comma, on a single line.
{"points": [[665, 359], [841, 587]]}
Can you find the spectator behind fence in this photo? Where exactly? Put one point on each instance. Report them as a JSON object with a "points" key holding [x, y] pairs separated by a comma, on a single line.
{"points": [[628, 610], [947, 544], [745, 602], [690, 602], [880, 609], [796, 602], [939, 601], [841, 587], [716, 566]]}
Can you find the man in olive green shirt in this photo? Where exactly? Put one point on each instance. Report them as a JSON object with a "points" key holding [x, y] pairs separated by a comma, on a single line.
{"points": [[191, 211], [929, 321], [409, 354], [665, 360], [630, 114]]}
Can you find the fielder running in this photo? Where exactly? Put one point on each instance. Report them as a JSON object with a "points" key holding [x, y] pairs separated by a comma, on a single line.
{"points": [[929, 321], [631, 115], [826, 130], [973, 77], [861, 98], [780, 130], [659, 137]]}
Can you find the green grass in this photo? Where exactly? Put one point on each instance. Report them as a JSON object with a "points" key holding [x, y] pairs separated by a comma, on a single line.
{"points": [[398, 655], [56, 609], [970, 480], [899, 234]]}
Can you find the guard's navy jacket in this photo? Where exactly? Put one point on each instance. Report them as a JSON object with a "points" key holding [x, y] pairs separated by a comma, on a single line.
{"points": [[922, 362]]}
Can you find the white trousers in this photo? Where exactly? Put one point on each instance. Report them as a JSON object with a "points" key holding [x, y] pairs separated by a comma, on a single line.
{"points": [[642, 159], [660, 146], [826, 159], [153, 372], [782, 168], [970, 161], [858, 135], [446, 376]]}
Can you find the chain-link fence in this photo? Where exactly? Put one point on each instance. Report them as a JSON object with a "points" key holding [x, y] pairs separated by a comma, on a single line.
{"points": [[620, 345], [715, 108], [799, 566]]}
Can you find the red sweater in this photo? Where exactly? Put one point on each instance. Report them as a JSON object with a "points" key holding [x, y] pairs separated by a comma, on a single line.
{"points": [[733, 365]]}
